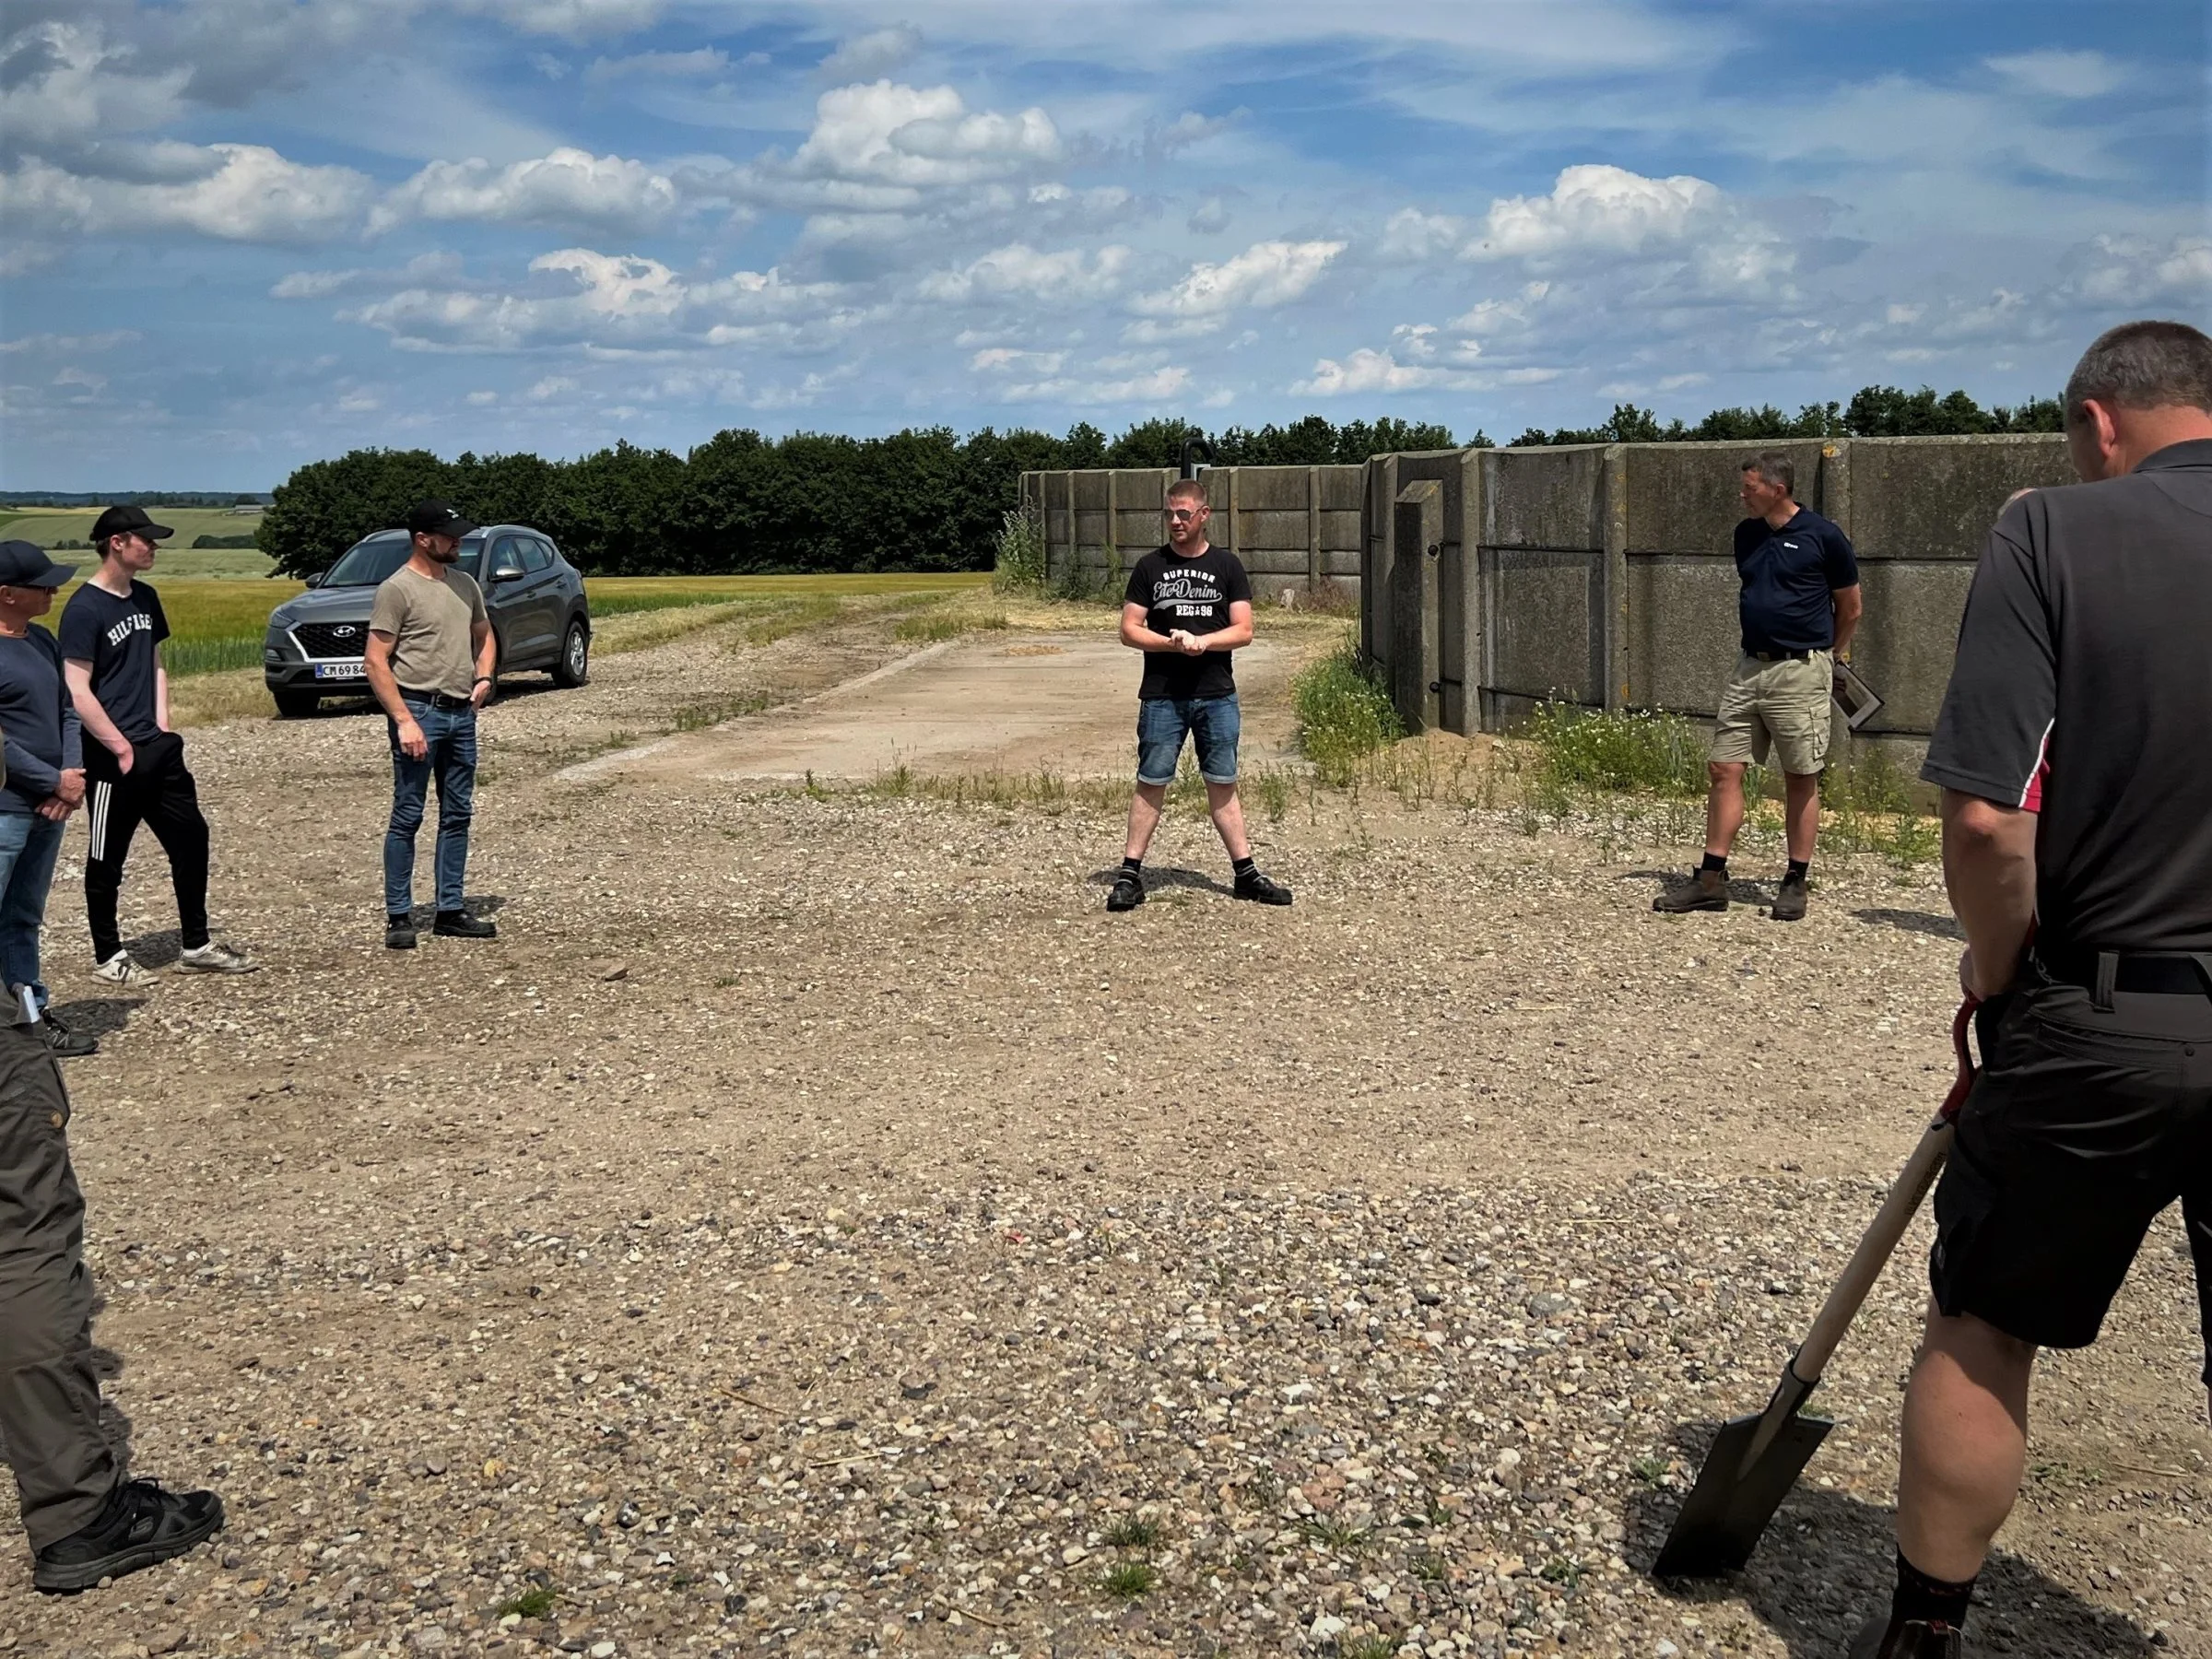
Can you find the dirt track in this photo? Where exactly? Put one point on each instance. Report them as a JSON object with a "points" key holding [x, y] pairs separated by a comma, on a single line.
{"points": [[816, 1227]]}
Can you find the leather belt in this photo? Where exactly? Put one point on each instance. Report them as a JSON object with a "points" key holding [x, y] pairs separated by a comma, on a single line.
{"points": [[437, 700], [2139, 973], [1780, 656]]}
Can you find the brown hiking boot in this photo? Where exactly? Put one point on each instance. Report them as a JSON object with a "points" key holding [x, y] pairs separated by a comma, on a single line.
{"points": [[1916, 1639], [1789, 899], [1705, 890]]}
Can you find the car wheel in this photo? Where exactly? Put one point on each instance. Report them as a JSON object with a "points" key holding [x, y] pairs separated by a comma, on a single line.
{"points": [[296, 705], [574, 668]]}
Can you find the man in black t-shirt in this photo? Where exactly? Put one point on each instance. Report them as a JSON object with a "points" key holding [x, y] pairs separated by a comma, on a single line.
{"points": [[1187, 607], [111, 639], [2077, 846]]}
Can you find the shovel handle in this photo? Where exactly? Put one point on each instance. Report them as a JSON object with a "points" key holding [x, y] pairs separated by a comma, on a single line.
{"points": [[1904, 1203]]}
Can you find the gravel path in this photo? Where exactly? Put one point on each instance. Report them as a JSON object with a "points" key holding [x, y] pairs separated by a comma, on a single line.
{"points": [[815, 1227]]}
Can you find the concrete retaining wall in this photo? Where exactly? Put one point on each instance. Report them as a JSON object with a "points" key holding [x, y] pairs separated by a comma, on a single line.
{"points": [[1603, 575], [1293, 526]]}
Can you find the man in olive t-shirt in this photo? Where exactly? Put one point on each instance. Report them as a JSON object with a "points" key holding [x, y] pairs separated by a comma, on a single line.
{"points": [[430, 659]]}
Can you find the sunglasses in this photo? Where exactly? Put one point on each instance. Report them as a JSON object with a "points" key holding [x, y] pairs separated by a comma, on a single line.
{"points": [[1183, 514]]}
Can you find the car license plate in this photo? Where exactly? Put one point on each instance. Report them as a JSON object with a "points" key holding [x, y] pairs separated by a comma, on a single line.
{"points": [[341, 671]]}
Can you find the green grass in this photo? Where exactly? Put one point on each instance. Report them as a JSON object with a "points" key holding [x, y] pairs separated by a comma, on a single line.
{"points": [[48, 525], [1135, 1532], [1332, 1533], [617, 596], [1125, 1580], [1018, 566], [1368, 1647], [1651, 1468], [1344, 714], [533, 1602], [1637, 752], [934, 626], [1561, 1571]]}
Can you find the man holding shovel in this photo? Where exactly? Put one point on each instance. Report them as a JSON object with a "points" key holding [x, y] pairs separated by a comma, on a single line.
{"points": [[2078, 847]]}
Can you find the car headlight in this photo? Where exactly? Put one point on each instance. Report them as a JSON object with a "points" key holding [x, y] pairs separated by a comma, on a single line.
{"points": [[281, 616]]}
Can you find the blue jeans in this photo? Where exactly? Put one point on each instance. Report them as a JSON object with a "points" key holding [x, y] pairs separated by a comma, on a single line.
{"points": [[29, 846], [1210, 723], [451, 736]]}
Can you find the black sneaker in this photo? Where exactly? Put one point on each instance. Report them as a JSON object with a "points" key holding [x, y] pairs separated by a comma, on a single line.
{"points": [[460, 925], [1261, 890], [1915, 1639], [1128, 891], [399, 933], [139, 1525], [65, 1043]]}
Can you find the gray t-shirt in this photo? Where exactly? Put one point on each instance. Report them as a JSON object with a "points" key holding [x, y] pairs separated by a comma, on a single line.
{"points": [[429, 622], [2080, 694]]}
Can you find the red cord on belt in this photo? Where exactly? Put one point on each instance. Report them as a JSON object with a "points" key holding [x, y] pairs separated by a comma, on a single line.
{"points": [[1964, 1082]]}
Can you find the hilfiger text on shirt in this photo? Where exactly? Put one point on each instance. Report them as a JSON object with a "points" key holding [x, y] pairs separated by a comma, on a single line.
{"points": [[137, 622]]}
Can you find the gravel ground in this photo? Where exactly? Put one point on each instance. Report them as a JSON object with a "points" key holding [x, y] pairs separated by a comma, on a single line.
{"points": [[815, 1227]]}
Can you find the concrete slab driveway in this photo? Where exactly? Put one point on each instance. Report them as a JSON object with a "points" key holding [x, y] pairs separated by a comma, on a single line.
{"points": [[989, 702]]}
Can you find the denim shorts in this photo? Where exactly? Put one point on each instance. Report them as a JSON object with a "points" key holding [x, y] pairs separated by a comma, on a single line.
{"points": [[1210, 723]]}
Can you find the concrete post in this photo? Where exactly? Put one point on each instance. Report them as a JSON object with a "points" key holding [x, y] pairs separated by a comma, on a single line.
{"points": [[1114, 521], [1618, 621], [1313, 555], [1377, 502], [1417, 533]]}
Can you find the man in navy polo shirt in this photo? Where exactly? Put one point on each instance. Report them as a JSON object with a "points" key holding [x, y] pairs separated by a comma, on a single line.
{"points": [[1799, 606]]}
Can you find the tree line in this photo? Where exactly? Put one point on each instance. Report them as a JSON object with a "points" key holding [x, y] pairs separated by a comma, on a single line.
{"points": [[924, 499]]}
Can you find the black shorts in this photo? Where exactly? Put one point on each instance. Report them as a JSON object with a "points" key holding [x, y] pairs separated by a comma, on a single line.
{"points": [[2083, 1126]]}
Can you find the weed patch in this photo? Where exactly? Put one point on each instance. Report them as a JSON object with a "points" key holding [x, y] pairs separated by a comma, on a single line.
{"points": [[1125, 1580], [1344, 714], [1638, 752], [1135, 1532], [934, 625], [1017, 566], [536, 1602]]}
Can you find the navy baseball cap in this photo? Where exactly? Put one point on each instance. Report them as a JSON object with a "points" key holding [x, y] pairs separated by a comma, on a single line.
{"points": [[435, 518], [26, 564], [127, 521]]}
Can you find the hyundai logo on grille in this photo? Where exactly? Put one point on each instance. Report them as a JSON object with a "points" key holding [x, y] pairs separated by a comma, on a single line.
{"points": [[344, 630]]}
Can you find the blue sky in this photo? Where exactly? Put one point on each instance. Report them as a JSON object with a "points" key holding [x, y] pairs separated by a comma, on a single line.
{"points": [[243, 234]]}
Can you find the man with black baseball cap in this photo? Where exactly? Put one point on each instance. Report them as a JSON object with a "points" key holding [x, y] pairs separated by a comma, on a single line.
{"points": [[44, 781], [2077, 848], [111, 634], [429, 662]]}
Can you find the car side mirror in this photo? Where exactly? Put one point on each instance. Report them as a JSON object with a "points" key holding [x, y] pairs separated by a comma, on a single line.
{"points": [[508, 574], [316, 579]]}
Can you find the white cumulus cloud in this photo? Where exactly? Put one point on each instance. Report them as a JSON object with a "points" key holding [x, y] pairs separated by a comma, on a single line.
{"points": [[2136, 270], [1153, 385], [1018, 269], [1370, 371], [888, 134], [873, 55], [1265, 274], [233, 192], [567, 187]]}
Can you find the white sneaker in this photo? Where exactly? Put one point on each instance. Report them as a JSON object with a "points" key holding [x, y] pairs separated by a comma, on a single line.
{"points": [[213, 958], [121, 970]]}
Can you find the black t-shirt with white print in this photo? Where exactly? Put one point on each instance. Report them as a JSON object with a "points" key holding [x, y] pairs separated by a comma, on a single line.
{"points": [[1193, 595], [2081, 693], [119, 637]]}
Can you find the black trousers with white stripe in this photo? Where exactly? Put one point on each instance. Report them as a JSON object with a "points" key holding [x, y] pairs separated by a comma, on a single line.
{"points": [[159, 792]]}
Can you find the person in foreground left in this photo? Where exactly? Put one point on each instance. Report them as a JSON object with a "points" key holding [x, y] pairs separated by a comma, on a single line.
{"points": [[87, 1520]]}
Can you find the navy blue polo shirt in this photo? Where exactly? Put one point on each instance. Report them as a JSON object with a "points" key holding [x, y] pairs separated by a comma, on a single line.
{"points": [[1788, 575]]}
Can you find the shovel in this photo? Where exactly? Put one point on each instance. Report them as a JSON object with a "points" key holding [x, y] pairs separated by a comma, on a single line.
{"points": [[1754, 1461]]}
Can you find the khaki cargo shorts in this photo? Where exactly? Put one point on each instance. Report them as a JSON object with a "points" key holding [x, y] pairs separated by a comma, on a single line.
{"points": [[1779, 708]]}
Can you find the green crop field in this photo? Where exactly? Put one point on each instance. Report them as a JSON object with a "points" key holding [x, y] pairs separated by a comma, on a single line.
{"points": [[47, 526], [217, 621]]}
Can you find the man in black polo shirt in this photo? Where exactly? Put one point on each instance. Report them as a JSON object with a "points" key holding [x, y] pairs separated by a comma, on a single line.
{"points": [[2077, 846], [1188, 605], [1799, 606], [111, 637]]}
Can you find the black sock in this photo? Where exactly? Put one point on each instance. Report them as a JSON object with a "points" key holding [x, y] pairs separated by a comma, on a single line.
{"points": [[1243, 866], [1715, 860], [1798, 869], [1133, 865], [1928, 1599]]}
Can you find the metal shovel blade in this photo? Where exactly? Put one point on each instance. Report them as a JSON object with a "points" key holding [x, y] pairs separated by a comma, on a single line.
{"points": [[1740, 1487]]}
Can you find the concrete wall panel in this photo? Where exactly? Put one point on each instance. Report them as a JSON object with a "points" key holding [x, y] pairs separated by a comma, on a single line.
{"points": [[1683, 636], [1935, 498], [1682, 497], [1905, 646], [1544, 497], [1545, 611]]}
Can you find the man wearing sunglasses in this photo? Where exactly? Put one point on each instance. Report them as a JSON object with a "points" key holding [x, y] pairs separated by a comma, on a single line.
{"points": [[1187, 607]]}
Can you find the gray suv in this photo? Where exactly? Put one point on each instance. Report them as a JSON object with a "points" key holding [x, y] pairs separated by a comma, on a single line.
{"points": [[535, 597]]}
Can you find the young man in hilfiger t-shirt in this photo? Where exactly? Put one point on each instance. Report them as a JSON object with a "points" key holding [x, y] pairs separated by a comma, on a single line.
{"points": [[111, 638], [1188, 605]]}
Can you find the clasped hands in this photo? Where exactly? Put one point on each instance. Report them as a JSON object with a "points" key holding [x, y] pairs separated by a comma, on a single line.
{"points": [[1189, 643]]}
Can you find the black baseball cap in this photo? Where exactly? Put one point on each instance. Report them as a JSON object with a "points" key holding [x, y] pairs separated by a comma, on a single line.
{"points": [[127, 521], [435, 518], [26, 564]]}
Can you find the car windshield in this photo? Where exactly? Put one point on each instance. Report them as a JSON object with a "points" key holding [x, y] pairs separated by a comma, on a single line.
{"points": [[367, 563]]}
